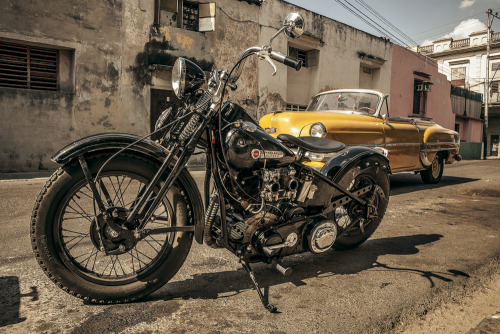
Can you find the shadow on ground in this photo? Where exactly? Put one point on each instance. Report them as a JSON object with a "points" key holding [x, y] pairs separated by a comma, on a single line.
{"points": [[306, 265], [230, 283], [406, 183], [10, 300]]}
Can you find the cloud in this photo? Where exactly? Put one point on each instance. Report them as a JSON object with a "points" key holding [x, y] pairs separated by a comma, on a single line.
{"points": [[462, 30], [466, 3]]}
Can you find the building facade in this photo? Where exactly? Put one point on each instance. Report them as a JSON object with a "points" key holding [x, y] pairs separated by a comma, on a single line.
{"points": [[74, 68], [464, 63], [418, 90]]}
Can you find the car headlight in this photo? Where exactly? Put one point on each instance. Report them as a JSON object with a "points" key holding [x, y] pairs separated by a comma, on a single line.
{"points": [[317, 130], [186, 77]]}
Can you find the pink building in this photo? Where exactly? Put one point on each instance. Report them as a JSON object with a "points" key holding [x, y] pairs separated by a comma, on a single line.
{"points": [[411, 74], [419, 90]]}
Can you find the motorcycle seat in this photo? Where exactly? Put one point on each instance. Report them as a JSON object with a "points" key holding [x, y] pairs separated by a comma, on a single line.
{"points": [[313, 144]]}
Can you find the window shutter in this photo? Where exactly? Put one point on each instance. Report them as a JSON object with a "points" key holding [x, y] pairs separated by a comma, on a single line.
{"points": [[312, 58], [207, 17], [494, 86]]}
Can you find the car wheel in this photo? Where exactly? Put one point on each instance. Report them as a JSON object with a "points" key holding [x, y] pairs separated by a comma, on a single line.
{"points": [[434, 173]]}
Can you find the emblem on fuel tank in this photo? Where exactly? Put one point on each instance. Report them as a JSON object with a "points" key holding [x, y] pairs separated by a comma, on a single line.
{"points": [[256, 154]]}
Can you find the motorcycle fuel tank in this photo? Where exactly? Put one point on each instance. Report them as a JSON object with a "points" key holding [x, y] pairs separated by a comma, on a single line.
{"points": [[249, 146]]}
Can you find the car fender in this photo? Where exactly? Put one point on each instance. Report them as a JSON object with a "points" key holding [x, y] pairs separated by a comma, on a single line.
{"points": [[140, 146]]}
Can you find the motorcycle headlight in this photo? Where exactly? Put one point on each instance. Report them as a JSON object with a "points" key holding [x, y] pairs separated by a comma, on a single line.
{"points": [[186, 77], [317, 130]]}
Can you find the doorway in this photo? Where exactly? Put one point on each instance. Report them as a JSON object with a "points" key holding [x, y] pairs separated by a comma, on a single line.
{"points": [[161, 99], [494, 146]]}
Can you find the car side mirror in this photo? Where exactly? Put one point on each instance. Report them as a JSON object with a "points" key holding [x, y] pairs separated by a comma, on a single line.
{"points": [[385, 118]]}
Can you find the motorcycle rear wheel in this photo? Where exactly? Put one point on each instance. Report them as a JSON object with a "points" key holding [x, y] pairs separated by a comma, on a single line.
{"points": [[66, 246], [353, 180]]}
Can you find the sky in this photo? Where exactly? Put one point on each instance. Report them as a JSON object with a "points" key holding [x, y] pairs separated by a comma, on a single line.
{"points": [[422, 21]]}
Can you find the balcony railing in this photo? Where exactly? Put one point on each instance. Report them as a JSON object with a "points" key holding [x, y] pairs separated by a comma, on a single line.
{"points": [[425, 49], [460, 43], [495, 37]]}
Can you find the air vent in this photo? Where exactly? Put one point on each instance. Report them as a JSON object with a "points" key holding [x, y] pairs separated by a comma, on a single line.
{"points": [[28, 67]]}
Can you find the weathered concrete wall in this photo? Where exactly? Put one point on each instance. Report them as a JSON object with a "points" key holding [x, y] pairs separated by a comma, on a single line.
{"points": [[112, 48], [438, 103], [339, 63], [105, 36]]}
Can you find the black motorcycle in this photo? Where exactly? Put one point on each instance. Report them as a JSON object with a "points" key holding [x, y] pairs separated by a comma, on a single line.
{"points": [[117, 220]]}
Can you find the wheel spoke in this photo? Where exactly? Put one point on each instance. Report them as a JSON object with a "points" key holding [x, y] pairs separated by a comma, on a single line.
{"points": [[78, 221]]}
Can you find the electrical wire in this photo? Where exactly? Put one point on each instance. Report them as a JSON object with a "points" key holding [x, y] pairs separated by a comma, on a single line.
{"points": [[373, 25], [388, 23]]}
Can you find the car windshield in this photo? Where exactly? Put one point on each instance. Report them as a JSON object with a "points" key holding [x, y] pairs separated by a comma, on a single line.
{"points": [[362, 102]]}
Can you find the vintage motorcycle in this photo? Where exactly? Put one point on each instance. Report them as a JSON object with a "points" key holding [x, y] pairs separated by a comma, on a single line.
{"points": [[116, 221]]}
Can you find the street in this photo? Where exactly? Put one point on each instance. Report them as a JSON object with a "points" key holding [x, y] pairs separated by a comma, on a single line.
{"points": [[435, 244]]}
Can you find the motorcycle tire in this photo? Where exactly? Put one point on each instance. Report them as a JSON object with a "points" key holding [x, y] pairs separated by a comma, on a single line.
{"points": [[65, 243], [352, 180]]}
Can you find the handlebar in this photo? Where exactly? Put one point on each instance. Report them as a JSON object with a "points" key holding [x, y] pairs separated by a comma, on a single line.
{"points": [[275, 55]]}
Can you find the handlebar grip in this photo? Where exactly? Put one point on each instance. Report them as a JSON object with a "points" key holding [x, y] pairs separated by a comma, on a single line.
{"points": [[288, 61], [293, 63]]}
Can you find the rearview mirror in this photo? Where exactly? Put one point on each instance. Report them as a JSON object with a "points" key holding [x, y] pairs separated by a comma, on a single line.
{"points": [[294, 25]]}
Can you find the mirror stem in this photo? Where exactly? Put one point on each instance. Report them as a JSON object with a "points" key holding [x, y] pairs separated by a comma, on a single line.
{"points": [[275, 35]]}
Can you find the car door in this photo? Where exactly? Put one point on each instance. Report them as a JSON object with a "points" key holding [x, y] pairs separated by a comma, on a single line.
{"points": [[402, 139], [356, 130]]}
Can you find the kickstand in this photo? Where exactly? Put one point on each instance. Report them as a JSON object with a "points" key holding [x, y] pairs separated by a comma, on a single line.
{"points": [[263, 299]]}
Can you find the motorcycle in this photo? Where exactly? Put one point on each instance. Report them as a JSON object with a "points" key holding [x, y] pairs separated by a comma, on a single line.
{"points": [[116, 221]]}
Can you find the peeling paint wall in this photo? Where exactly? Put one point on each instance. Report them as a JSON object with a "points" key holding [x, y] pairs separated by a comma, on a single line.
{"points": [[103, 38]]}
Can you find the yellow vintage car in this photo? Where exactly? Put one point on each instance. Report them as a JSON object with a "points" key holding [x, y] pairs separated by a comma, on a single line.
{"points": [[360, 117]]}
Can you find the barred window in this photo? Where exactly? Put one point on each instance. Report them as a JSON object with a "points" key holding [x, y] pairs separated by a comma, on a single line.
{"points": [[309, 57], [295, 107], [28, 67]]}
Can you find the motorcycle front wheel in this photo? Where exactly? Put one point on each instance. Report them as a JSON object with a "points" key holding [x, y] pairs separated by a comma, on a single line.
{"points": [[67, 245]]}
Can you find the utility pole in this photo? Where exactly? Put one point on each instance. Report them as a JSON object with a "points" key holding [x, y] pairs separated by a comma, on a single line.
{"points": [[487, 88], [487, 83]]}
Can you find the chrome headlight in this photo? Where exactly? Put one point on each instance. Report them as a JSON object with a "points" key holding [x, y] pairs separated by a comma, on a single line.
{"points": [[317, 130], [186, 77]]}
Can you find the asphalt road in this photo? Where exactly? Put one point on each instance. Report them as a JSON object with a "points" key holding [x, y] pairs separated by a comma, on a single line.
{"points": [[434, 245]]}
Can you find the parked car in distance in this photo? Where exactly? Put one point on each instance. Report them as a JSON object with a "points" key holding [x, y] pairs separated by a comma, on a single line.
{"points": [[360, 117]]}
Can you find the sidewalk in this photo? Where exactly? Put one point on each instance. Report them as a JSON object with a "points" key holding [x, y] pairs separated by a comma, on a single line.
{"points": [[477, 312]]}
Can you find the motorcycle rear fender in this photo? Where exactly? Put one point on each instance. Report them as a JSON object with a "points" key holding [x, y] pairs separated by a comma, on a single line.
{"points": [[145, 147], [348, 158]]}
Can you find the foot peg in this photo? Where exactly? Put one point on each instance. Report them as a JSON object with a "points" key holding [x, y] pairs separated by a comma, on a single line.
{"points": [[285, 271]]}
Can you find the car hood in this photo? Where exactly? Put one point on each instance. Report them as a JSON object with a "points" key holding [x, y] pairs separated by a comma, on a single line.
{"points": [[298, 123]]}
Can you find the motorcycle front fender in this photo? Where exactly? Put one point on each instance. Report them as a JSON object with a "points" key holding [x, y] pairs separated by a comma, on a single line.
{"points": [[144, 147], [348, 158]]}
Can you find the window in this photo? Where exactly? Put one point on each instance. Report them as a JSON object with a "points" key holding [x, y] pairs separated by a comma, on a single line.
{"points": [[419, 98], [495, 66], [186, 15], [458, 76], [295, 107], [367, 70], [309, 57], [457, 127], [28, 67]]}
